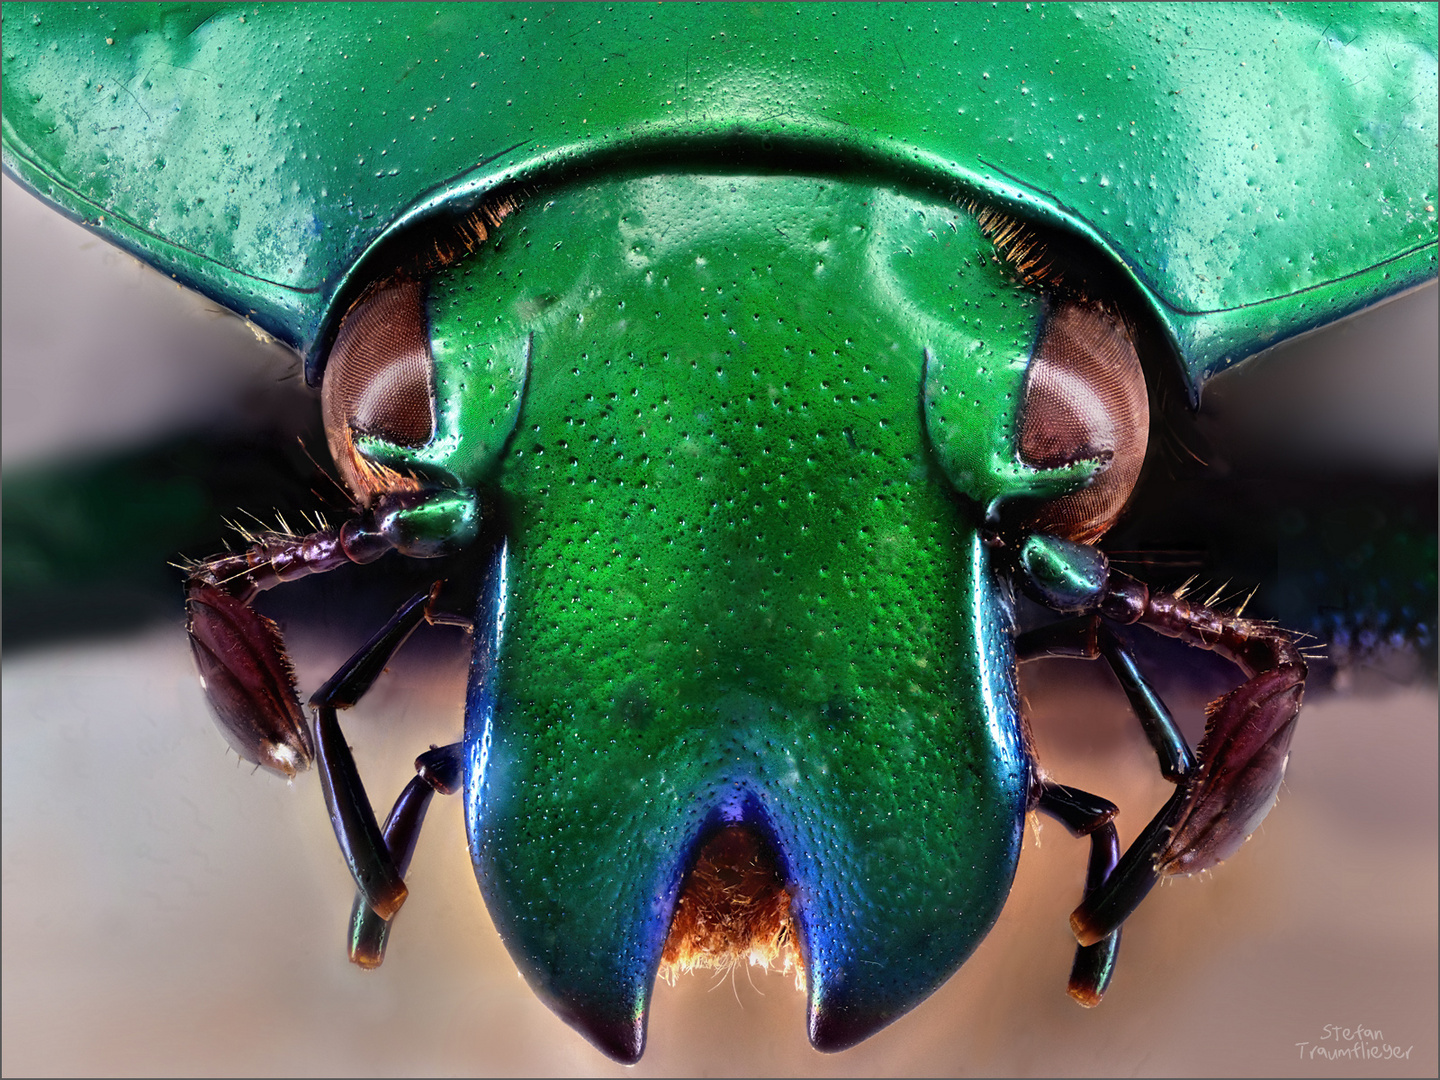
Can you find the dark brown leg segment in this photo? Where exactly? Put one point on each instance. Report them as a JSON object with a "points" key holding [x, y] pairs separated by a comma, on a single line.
{"points": [[1241, 760]]}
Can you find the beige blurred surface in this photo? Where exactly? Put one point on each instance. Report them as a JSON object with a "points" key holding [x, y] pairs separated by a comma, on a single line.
{"points": [[167, 912]]}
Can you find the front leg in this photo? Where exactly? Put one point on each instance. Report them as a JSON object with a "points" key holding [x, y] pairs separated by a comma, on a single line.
{"points": [[1242, 757], [439, 769], [1225, 790], [1247, 732]]}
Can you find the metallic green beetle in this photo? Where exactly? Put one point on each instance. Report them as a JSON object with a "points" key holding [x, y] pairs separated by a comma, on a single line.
{"points": [[730, 363]]}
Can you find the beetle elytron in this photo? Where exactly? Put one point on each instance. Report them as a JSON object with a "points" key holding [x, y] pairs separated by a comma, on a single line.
{"points": [[752, 383]]}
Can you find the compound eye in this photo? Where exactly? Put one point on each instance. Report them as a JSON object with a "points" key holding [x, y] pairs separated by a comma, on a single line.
{"points": [[1085, 398], [380, 382]]}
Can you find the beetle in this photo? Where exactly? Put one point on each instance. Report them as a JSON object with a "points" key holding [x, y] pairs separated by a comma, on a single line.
{"points": [[193, 851], [218, 570]]}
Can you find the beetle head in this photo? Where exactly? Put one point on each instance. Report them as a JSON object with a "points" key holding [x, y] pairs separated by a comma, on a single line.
{"points": [[738, 409]]}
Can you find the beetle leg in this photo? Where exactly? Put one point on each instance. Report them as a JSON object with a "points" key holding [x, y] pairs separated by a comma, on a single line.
{"points": [[1242, 757], [1088, 638], [1120, 887], [1101, 911], [379, 858], [355, 677], [364, 846], [1226, 790], [438, 769], [1088, 815]]}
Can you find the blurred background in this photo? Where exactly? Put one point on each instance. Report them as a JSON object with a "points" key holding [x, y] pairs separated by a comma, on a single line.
{"points": [[166, 911]]}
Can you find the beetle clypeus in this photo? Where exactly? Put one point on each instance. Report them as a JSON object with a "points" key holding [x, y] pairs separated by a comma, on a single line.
{"points": [[850, 716]]}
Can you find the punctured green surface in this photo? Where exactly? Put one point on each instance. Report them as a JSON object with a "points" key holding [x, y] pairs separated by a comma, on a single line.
{"points": [[740, 583], [1258, 170]]}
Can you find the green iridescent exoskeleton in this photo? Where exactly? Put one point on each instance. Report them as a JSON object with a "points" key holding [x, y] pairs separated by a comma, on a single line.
{"points": [[737, 389], [741, 586], [1256, 170]]}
